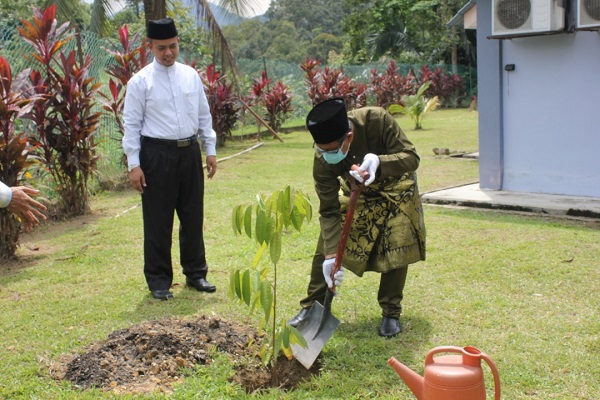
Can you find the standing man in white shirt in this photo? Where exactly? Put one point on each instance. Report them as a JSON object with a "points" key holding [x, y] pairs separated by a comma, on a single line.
{"points": [[165, 113], [18, 200]]}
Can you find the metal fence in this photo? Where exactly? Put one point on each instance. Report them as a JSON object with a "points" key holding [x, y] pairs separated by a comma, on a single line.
{"points": [[18, 53], [279, 70], [108, 137]]}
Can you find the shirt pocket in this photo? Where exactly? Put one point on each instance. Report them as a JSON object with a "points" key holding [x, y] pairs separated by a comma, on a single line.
{"points": [[191, 105]]}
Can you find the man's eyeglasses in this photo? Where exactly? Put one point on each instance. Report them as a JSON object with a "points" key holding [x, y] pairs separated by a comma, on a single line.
{"points": [[340, 142]]}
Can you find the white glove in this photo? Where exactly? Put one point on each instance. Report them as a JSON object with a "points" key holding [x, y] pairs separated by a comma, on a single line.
{"points": [[370, 164], [327, 268]]}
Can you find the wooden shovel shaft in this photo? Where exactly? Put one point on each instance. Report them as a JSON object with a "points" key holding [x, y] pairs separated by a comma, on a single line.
{"points": [[354, 194]]}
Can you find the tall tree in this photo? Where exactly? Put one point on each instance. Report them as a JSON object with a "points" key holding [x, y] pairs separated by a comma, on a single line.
{"points": [[293, 31], [12, 11], [310, 17]]}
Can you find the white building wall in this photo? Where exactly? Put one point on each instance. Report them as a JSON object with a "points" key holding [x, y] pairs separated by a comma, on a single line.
{"points": [[551, 119]]}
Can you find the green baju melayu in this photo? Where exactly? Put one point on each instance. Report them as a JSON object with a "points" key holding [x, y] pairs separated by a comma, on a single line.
{"points": [[388, 230]]}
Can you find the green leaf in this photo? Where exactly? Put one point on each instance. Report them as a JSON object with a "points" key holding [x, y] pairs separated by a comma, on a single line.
{"points": [[246, 287], [396, 109], [277, 345], [275, 247], [259, 255], [261, 225], [255, 302], [306, 207], [248, 221], [256, 280], [284, 205], [237, 228], [271, 203], [232, 284], [288, 352], [237, 284], [285, 337], [269, 228], [266, 299], [261, 202], [296, 337], [296, 217], [423, 88]]}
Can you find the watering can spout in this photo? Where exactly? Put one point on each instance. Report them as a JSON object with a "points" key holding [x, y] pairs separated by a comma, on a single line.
{"points": [[413, 380]]}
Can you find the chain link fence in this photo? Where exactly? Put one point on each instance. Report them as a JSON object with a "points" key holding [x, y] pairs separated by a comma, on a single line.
{"points": [[292, 75], [108, 138], [18, 53], [279, 70]]}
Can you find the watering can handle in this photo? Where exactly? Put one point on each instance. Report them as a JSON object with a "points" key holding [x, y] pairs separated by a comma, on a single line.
{"points": [[494, 370], [441, 349]]}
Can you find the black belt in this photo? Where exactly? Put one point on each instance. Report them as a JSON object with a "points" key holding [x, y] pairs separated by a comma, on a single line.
{"points": [[171, 143]]}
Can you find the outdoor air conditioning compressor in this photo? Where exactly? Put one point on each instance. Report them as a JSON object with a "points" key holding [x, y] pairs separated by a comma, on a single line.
{"points": [[588, 14], [517, 17]]}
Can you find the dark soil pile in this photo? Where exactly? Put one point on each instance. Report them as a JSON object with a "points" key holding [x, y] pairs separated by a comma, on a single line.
{"points": [[150, 356]]}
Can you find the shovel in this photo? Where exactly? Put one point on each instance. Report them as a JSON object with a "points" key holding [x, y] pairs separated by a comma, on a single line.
{"points": [[319, 324]]}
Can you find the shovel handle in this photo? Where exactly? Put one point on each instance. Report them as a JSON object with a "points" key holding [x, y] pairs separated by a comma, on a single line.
{"points": [[354, 194]]}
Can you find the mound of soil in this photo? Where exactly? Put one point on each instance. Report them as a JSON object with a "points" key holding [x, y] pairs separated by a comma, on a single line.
{"points": [[149, 357]]}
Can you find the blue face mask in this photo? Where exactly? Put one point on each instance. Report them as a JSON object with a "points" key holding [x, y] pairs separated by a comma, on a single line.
{"points": [[335, 158]]}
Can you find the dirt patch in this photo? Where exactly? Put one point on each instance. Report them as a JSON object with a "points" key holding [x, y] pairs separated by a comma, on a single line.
{"points": [[150, 356]]}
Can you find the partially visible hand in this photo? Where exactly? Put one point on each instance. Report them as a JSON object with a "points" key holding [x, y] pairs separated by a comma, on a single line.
{"points": [[211, 166], [327, 268], [137, 179], [370, 164], [27, 209]]}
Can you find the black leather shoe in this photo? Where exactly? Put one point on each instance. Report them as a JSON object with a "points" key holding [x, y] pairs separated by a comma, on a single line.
{"points": [[390, 327], [299, 317], [201, 285], [162, 294]]}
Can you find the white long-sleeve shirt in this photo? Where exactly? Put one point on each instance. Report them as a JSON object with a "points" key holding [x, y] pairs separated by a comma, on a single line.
{"points": [[5, 195], [166, 103]]}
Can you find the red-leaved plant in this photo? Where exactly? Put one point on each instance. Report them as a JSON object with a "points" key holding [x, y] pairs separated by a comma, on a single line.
{"points": [[222, 100], [388, 88], [447, 87], [277, 100], [131, 57], [14, 152], [66, 119], [329, 83]]}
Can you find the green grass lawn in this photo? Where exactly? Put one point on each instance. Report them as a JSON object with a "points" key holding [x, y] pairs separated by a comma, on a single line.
{"points": [[523, 289]]}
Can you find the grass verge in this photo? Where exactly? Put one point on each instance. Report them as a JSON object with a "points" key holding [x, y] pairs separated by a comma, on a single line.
{"points": [[523, 289]]}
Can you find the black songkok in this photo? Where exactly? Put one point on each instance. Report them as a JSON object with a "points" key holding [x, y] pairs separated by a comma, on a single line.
{"points": [[161, 29], [328, 121]]}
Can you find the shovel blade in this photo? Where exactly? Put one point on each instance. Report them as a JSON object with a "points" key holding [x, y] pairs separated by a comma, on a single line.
{"points": [[316, 328]]}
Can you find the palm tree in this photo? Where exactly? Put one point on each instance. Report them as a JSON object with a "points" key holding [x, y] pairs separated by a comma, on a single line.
{"points": [[393, 39], [416, 106]]}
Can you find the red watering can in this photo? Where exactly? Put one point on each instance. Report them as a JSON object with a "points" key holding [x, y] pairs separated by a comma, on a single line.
{"points": [[451, 377]]}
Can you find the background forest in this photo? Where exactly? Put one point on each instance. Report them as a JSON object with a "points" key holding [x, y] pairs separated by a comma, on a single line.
{"points": [[338, 32]]}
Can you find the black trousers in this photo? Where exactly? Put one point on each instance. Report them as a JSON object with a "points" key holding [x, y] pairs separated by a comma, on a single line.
{"points": [[389, 295], [174, 184]]}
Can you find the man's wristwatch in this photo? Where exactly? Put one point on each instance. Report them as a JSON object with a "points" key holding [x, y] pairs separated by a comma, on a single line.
{"points": [[131, 167]]}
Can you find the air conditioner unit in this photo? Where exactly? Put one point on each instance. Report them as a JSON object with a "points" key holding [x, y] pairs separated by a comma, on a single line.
{"points": [[588, 14], [514, 17]]}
